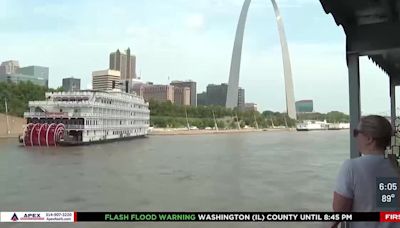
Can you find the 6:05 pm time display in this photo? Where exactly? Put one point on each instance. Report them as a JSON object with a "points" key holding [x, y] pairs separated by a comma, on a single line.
{"points": [[388, 186]]}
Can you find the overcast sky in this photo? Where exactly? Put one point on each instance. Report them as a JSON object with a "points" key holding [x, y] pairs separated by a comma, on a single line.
{"points": [[186, 39]]}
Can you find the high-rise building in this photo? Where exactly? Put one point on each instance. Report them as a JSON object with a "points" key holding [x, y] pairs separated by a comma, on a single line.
{"points": [[182, 95], [105, 79], [16, 78], [251, 107], [216, 94], [71, 84], [10, 71], [304, 106], [192, 87], [161, 93], [125, 63], [138, 88], [9, 67], [39, 72], [202, 98]]}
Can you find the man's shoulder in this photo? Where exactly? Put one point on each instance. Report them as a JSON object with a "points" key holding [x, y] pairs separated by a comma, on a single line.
{"points": [[353, 163], [349, 162]]}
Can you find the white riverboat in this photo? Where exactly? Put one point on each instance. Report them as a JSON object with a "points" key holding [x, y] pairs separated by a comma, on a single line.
{"points": [[312, 125], [339, 126], [85, 117]]}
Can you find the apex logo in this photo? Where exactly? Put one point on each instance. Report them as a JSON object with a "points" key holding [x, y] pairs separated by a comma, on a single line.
{"points": [[32, 216], [14, 217]]}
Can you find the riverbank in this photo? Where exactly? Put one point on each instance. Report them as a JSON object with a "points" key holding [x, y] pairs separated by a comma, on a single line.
{"points": [[15, 126], [172, 131]]}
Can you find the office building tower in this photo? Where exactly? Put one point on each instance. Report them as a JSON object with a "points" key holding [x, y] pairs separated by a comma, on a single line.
{"points": [[105, 79], [192, 87], [71, 84], [125, 63]]}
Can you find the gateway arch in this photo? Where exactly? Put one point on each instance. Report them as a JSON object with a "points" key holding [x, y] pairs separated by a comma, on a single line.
{"points": [[233, 85]]}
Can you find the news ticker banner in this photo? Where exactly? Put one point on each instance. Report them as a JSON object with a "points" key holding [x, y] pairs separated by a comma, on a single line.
{"points": [[198, 217]]}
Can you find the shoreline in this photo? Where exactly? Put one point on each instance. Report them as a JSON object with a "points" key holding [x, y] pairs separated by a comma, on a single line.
{"points": [[11, 136], [170, 132], [178, 131]]}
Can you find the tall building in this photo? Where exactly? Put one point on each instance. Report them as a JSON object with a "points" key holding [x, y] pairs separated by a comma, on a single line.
{"points": [[251, 107], [202, 98], [305, 106], [138, 88], [10, 71], [9, 67], [182, 95], [216, 94], [125, 63], [192, 87], [71, 84], [161, 93], [39, 72], [16, 78], [104, 79]]}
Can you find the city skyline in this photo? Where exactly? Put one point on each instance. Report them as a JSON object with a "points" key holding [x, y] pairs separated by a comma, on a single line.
{"points": [[193, 41]]}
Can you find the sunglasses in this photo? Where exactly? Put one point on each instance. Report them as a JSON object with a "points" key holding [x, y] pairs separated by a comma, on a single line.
{"points": [[356, 132]]}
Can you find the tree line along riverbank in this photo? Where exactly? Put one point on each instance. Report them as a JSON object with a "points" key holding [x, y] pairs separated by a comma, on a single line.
{"points": [[168, 115]]}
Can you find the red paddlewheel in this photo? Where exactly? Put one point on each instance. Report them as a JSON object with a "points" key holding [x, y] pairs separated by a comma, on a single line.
{"points": [[35, 135], [42, 134], [27, 135], [59, 133], [50, 135]]}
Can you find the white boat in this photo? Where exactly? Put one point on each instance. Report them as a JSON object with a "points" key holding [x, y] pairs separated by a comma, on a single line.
{"points": [[85, 117], [312, 125], [339, 126]]}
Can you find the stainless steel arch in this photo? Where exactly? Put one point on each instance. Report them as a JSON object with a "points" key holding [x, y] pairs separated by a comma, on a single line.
{"points": [[233, 85]]}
